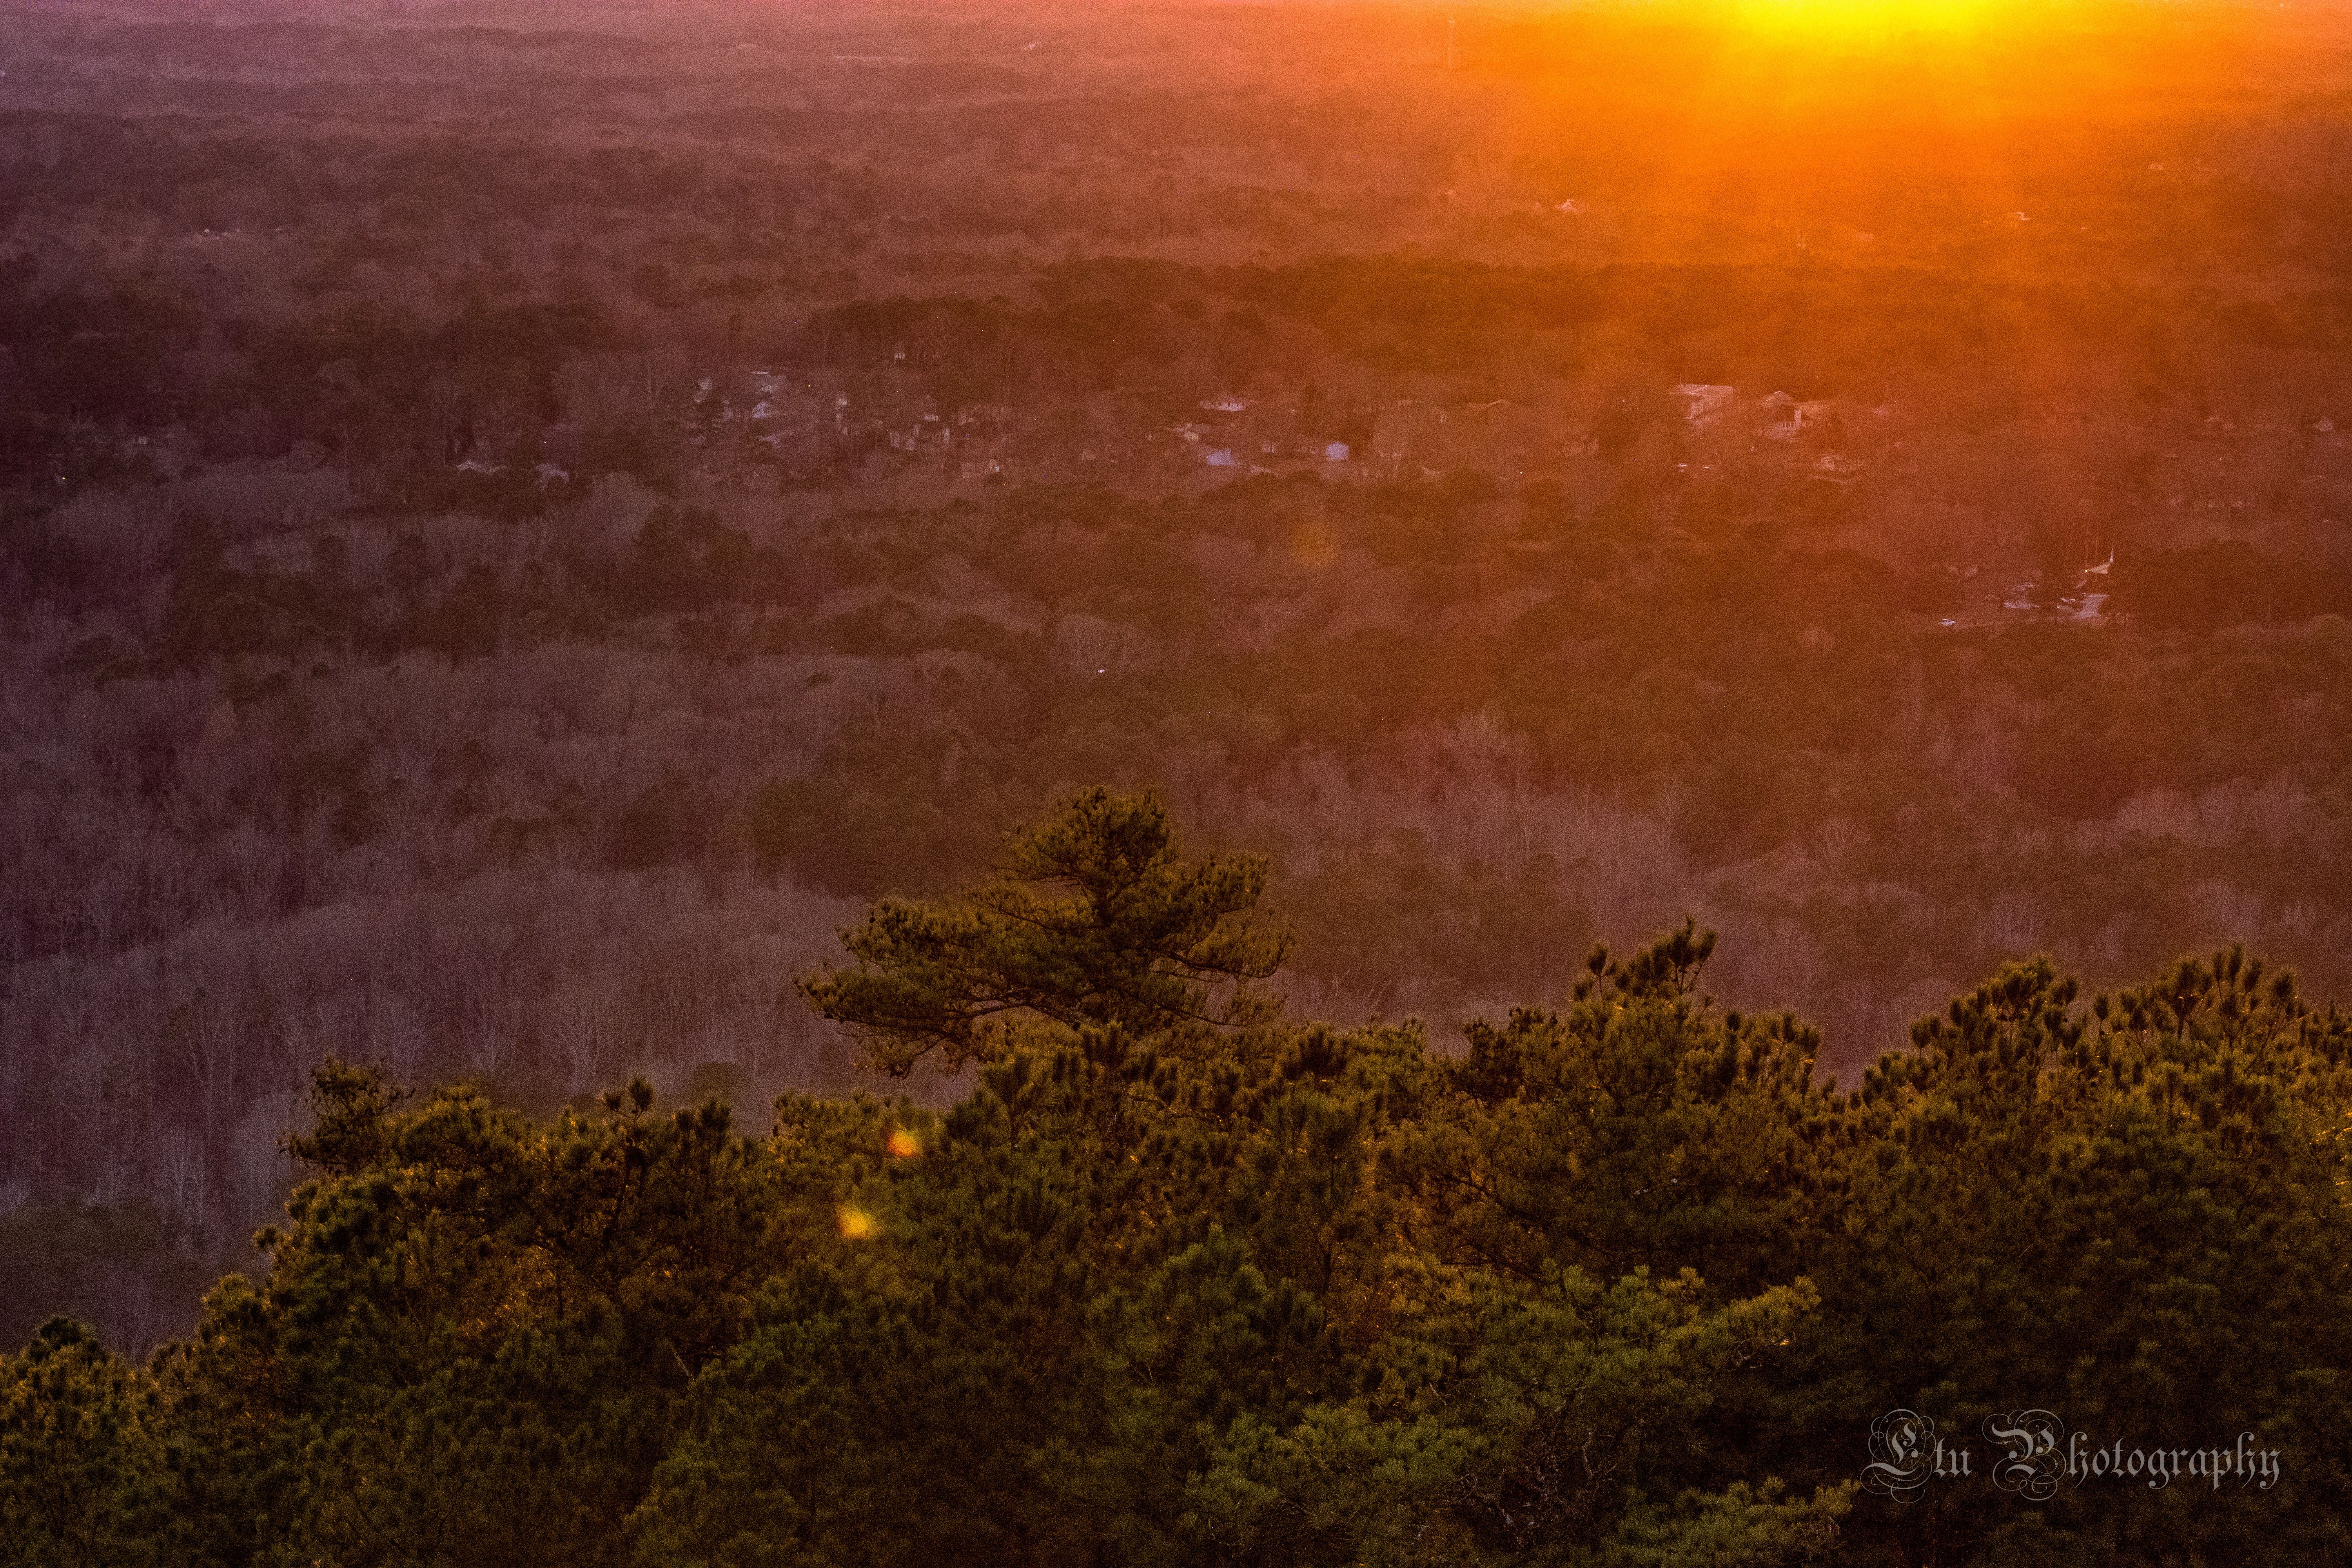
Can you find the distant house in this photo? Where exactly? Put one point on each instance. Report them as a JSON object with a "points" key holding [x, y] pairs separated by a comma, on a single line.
{"points": [[1225, 404], [1790, 417], [2090, 596], [1335, 452], [1223, 458], [1702, 402]]}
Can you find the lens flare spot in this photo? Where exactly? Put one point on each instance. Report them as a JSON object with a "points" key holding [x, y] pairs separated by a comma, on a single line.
{"points": [[1314, 543], [904, 1145], [856, 1225]]}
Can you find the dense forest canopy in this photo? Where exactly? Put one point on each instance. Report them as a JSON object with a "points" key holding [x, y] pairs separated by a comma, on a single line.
{"points": [[1178, 1282], [518, 525]]}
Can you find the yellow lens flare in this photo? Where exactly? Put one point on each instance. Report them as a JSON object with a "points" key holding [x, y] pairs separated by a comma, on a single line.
{"points": [[856, 1224], [904, 1145]]}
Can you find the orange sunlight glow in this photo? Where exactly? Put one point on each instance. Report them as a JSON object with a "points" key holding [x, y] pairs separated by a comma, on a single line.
{"points": [[1850, 20], [904, 1145], [856, 1225]]}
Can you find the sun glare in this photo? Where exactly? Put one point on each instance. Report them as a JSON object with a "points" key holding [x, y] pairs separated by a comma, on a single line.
{"points": [[1868, 20]]}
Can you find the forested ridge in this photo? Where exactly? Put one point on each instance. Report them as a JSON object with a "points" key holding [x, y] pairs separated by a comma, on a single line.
{"points": [[1182, 1280]]}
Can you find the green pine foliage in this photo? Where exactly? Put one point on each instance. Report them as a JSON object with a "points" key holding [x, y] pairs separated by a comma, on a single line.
{"points": [[1181, 1281], [82, 1482]]}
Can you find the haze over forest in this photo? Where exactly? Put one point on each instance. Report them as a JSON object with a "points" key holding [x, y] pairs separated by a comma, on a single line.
{"points": [[516, 523]]}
